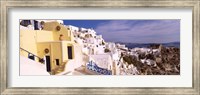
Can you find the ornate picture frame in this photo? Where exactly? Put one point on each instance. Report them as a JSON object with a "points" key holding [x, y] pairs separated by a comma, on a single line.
{"points": [[4, 59]]}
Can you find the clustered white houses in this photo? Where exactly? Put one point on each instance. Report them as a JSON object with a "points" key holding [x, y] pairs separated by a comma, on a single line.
{"points": [[136, 51], [105, 55], [99, 57]]}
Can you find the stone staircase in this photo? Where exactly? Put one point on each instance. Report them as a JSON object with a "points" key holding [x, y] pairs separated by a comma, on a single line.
{"points": [[59, 69]]}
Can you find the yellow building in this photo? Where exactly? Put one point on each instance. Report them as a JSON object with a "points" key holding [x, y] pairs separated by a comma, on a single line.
{"points": [[55, 43]]}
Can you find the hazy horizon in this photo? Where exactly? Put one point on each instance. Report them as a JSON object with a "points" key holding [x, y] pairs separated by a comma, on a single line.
{"points": [[144, 42]]}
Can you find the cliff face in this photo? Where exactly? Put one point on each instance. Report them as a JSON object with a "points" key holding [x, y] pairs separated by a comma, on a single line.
{"points": [[166, 62], [170, 63]]}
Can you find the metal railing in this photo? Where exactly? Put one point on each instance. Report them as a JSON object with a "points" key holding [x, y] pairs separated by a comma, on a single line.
{"points": [[41, 60]]}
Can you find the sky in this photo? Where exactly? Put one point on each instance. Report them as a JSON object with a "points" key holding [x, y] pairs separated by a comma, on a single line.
{"points": [[133, 31]]}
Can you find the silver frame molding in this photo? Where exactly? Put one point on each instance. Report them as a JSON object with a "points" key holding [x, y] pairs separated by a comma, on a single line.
{"points": [[4, 57]]}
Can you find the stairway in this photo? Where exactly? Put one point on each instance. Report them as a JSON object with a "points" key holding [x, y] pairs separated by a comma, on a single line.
{"points": [[59, 69]]}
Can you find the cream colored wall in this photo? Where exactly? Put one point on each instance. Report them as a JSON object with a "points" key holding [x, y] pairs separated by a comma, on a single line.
{"points": [[56, 53], [65, 52], [54, 49], [44, 36], [36, 41], [28, 42], [51, 26], [29, 39], [41, 47]]}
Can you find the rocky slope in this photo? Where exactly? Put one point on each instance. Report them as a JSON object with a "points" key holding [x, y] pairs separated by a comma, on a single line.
{"points": [[167, 62]]}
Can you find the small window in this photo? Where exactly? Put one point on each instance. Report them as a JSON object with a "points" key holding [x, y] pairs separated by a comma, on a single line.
{"points": [[57, 62], [69, 50]]}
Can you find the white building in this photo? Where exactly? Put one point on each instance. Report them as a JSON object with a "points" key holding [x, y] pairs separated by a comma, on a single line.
{"points": [[115, 55], [72, 28], [110, 46], [102, 60], [82, 29], [91, 41]]}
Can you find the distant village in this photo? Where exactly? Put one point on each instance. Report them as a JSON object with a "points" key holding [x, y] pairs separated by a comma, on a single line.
{"points": [[48, 47]]}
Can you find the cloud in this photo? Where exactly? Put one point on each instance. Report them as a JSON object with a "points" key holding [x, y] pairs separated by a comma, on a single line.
{"points": [[140, 31]]}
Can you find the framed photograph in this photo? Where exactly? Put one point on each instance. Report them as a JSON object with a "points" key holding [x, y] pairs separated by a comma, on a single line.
{"points": [[100, 47]]}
